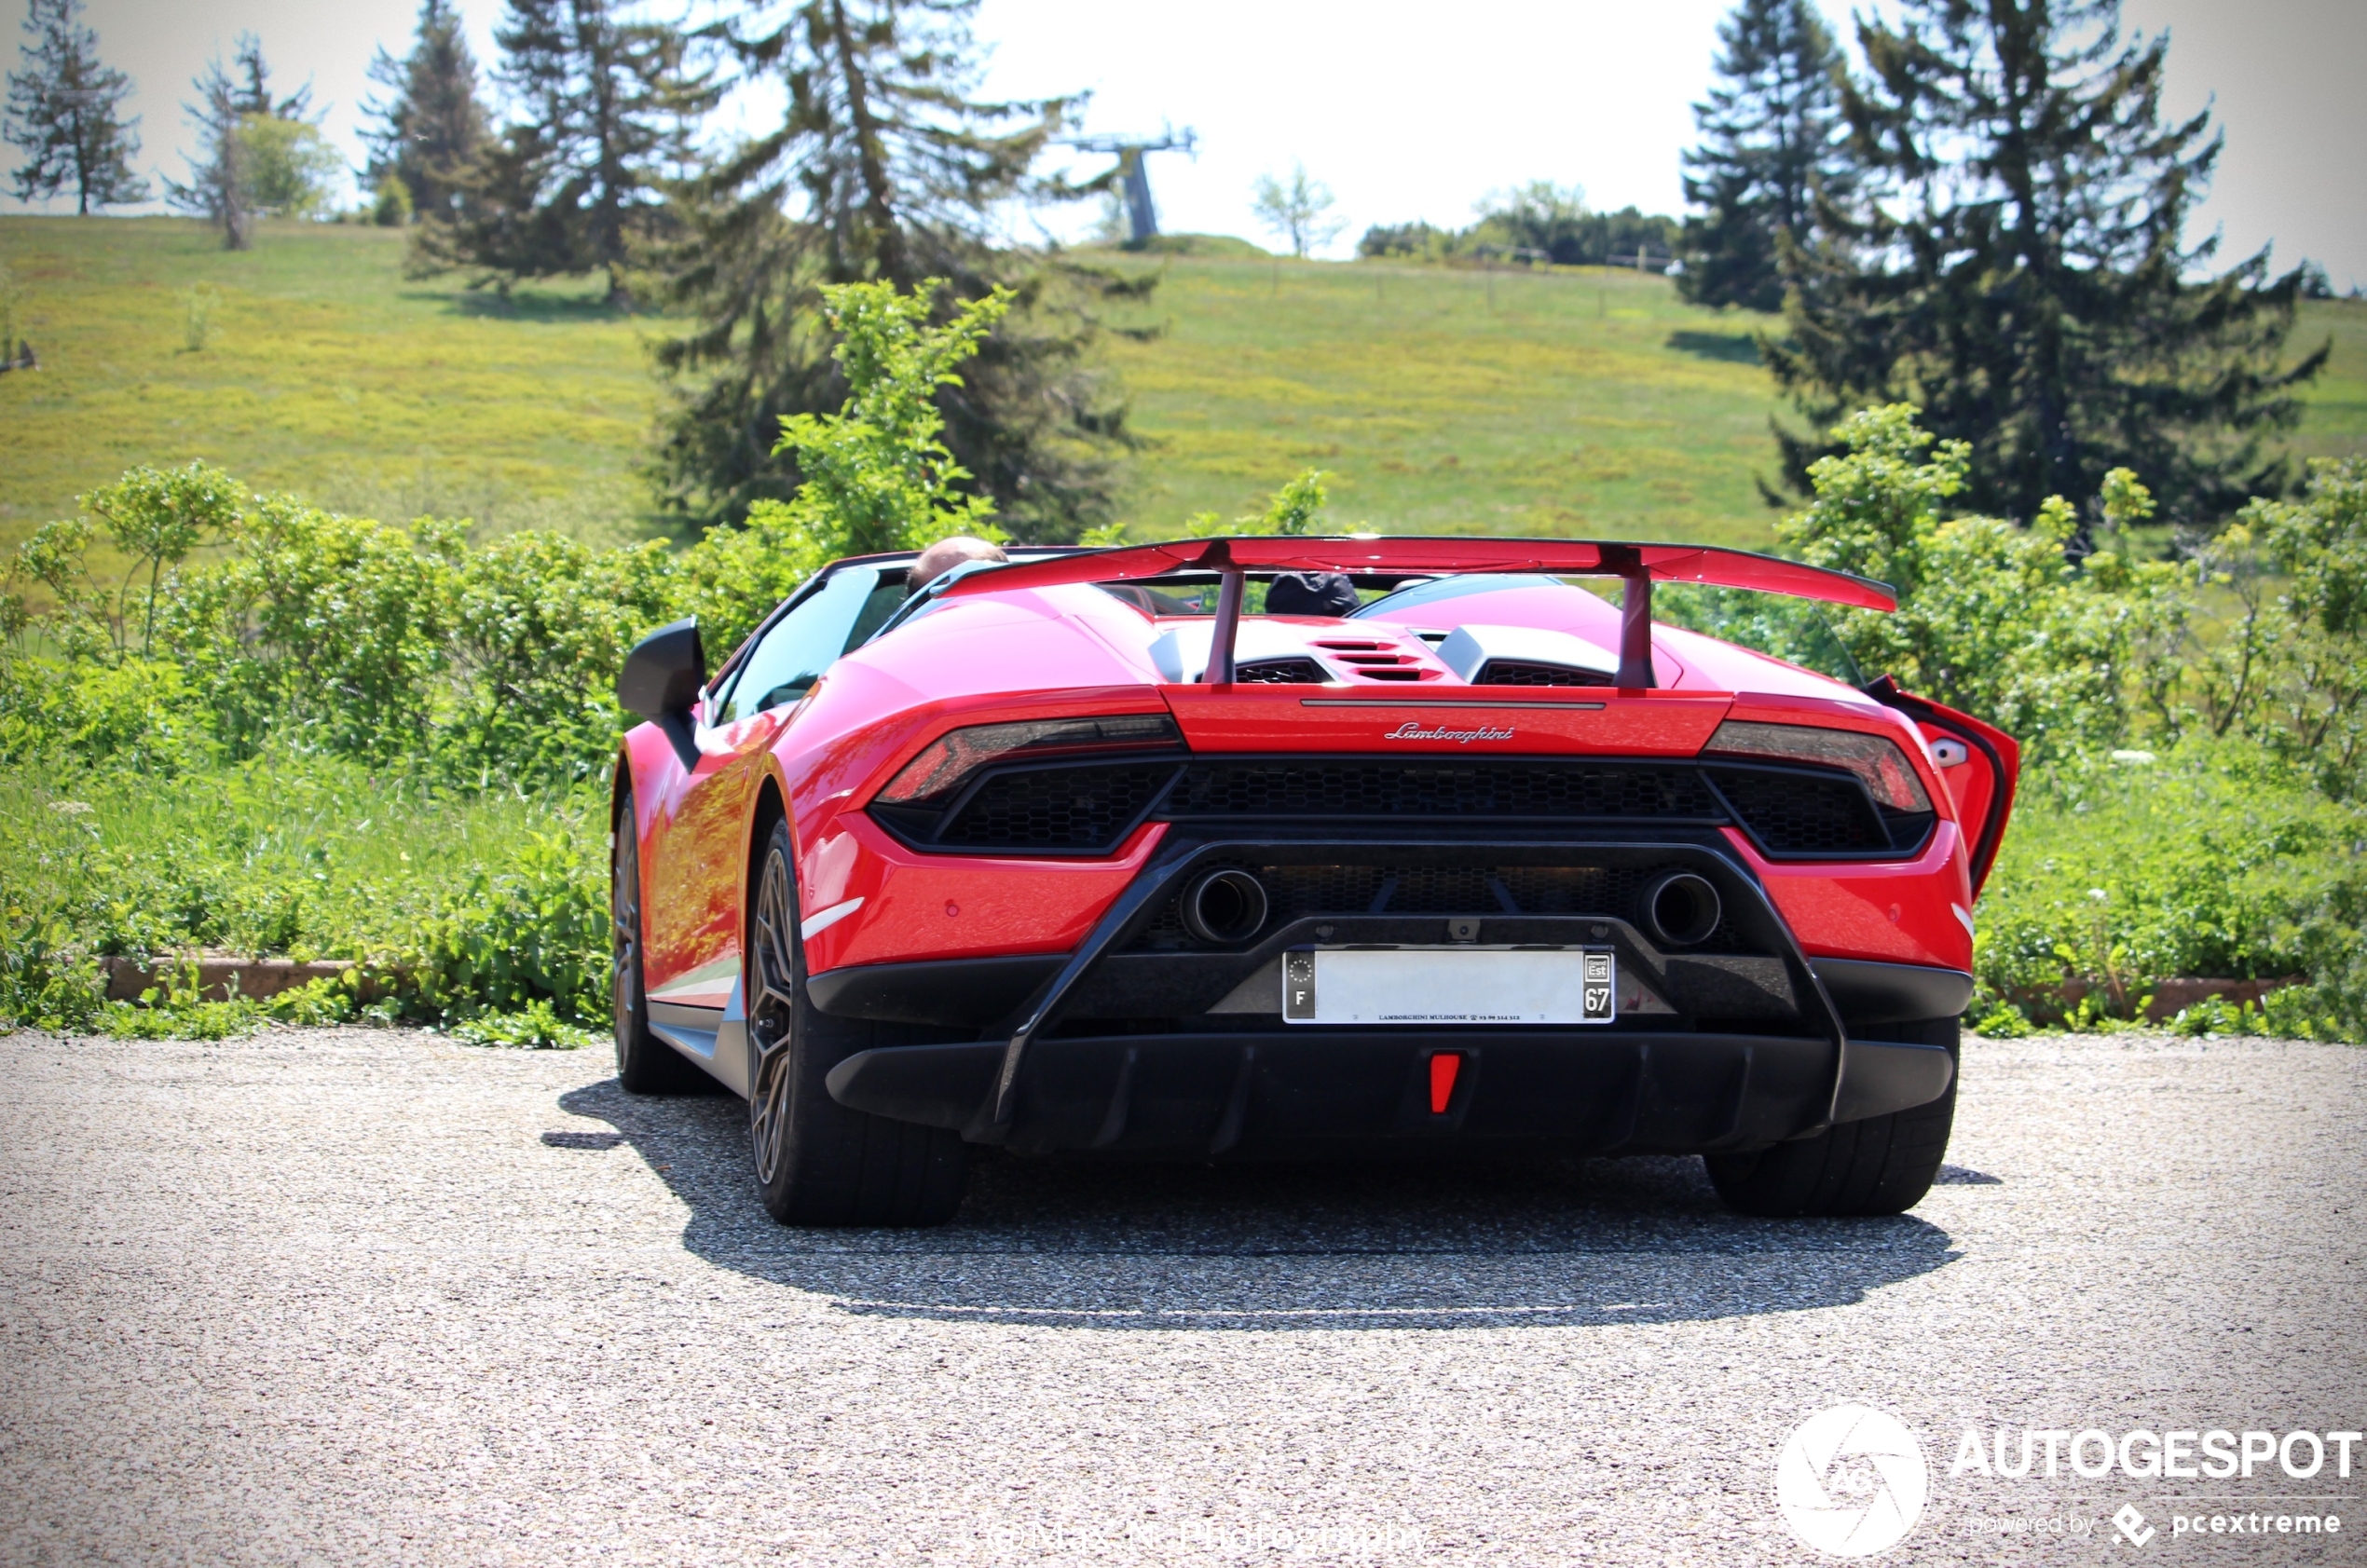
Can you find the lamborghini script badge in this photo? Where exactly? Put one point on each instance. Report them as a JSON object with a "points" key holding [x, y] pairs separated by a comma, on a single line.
{"points": [[1412, 730]]}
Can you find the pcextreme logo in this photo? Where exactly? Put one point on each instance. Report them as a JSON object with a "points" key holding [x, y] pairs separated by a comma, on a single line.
{"points": [[1851, 1481]]}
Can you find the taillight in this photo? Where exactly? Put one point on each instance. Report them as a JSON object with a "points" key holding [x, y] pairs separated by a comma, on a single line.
{"points": [[945, 762], [1878, 762]]}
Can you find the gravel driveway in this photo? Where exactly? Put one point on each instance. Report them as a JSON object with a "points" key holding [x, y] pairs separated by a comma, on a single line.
{"points": [[358, 1297]]}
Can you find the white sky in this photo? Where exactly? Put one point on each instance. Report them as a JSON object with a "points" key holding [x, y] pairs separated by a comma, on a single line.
{"points": [[1414, 112]]}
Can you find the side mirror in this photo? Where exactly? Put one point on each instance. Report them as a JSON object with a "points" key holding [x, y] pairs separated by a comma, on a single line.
{"points": [[660, 681], [664, 672]]}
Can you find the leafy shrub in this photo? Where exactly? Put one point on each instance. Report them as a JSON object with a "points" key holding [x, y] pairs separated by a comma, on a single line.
{"points": [[459, 900], [390, 203], [2218, 859], [534, 930], [331, 628], [1993, 619], [540, 624], [2289, 670], [876, 475], [533, 1028], [48, 975], [141, 714]]}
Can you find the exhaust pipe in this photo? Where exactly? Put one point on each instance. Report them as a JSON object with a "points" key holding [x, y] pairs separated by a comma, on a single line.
{"points": [[1681, 909], [1223, 906]]}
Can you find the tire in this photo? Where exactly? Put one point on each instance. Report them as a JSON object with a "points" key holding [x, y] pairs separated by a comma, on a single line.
{"points": [[818, 1163], [1883, 1164], [644, 1064]]}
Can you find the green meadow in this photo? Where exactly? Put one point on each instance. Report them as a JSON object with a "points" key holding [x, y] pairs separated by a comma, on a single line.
{"points": [[311, 363], [1578, 401]]}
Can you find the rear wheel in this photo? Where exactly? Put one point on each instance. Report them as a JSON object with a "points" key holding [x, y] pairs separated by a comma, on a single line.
{"points": [[818, 1163], [644, 1064], [1883, 1164]]}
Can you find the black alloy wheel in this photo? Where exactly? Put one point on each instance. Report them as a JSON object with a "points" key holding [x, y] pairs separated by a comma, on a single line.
{"points": [[818, 1163], [644, 1064]]}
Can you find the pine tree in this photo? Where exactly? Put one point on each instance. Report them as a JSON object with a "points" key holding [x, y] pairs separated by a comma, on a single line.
{"points": [[1770, 135], [222, 176], [64, 112], [576, 183], [884, 167], [432, 127], [2016, 263]]}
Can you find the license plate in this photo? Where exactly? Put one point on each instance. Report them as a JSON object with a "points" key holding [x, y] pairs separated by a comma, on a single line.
{"points": [[1449, 986]]}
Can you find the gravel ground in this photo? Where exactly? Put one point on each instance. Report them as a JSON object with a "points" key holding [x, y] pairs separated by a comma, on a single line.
{"points": [[350, 1296]]}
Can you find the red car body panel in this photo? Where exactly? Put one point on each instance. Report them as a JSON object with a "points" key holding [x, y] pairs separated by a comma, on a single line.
{"points": [[940, 907]]}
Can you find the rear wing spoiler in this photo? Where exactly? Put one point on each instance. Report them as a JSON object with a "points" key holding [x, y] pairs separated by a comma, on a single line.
{"points": [[1638, 566]]}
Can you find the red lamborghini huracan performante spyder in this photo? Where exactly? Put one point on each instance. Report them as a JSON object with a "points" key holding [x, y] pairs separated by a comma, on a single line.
{"points": [[1078, 854]]}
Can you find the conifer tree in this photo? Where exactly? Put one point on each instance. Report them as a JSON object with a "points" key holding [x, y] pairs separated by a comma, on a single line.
{"points": [[432, 125], [607, 110], [2016, 263], [64, 113], [884, 167], [222, 177], [1771, 134]]}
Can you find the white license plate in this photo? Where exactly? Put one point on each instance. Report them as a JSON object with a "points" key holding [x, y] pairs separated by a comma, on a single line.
{"points": [[1449, 986]]}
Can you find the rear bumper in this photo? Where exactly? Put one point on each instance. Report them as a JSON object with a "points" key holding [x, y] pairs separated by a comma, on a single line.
{"points": [[974, 993], [1321, 1091], [1142, 1043]]}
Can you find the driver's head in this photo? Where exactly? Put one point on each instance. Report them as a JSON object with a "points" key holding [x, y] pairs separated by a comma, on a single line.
{"points": [[944, 556]]}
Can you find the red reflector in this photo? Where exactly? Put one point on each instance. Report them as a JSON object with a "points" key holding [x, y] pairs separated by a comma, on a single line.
{"points": [[1444, 1067]]}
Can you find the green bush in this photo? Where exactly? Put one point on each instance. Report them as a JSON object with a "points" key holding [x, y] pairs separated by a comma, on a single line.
{"points": [[540, 624], [2288, 670], [2215, 859], [533, 1028], [1997, 619], [459, 900]]}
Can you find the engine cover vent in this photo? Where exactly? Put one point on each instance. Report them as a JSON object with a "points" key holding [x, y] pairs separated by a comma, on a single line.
{"points": [[1526, 656]]}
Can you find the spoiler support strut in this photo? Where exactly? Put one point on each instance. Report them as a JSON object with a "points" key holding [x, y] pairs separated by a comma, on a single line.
{"points": [[1626, 562], [1231, 584]]}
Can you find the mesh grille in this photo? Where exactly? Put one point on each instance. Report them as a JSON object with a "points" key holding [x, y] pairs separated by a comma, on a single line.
{"points": [[1515, 672], [1798, 813], [1056, 808], [1467, 789], [1281, 672]]}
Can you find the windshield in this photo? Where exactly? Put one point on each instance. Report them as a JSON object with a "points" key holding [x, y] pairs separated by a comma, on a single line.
{"points": [[801, 645], [1432, 591]]}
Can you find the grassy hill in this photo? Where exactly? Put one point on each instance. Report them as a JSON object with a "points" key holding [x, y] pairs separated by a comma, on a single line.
{"points": [[323, 371], [1583, 401]]}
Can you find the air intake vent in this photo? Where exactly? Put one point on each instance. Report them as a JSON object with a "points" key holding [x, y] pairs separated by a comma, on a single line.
{"points": [[1800, 814], [1518, 671], [1078, 808], [1281, 672]]}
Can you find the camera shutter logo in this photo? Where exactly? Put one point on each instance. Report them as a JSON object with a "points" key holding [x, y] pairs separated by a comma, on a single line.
{"points": [[1851, 1481]]}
